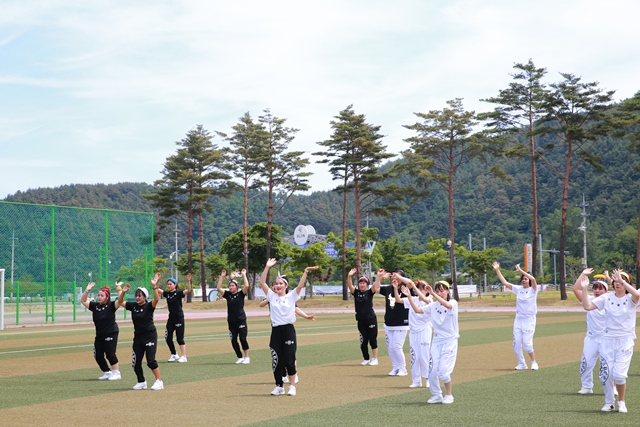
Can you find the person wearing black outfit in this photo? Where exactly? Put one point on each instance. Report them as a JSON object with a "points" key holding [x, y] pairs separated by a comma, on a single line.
{"points": [[175, 322], [145, 336], [236, 317], [106, 340], [366, 317]]}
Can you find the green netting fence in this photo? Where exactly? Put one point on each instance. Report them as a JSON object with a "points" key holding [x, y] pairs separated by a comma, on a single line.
{"points": [[50, 253]]}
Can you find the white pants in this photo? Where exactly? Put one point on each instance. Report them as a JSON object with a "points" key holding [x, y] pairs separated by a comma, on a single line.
{"points": [[419, 354], [523, 330], [590, 353], [443, 360], [615, 358], [395, 342]]}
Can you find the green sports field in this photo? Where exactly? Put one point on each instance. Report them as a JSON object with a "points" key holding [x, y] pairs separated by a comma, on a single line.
{"points": [[48, 377]]}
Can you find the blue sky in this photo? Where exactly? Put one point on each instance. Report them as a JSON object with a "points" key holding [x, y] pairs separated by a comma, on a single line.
{"points": [[99, 91]]}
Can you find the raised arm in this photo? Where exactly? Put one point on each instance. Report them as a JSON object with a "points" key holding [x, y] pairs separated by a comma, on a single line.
{"points": [[245, 288], [379, 276], [583, 282], [265, 273], [120, 301], [577, 286], [532, 280], [223, 273], [303, 279], [438, 298], [414, 306], [189, 287], [352, 288], [156, 297], [635, 294], [85, 294], [496, 267]]}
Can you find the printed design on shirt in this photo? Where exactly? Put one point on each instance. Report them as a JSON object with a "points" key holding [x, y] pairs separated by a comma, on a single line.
{"points": [[604, 371], [274, 359], [583, 365], [101, 307], [412, 356]]}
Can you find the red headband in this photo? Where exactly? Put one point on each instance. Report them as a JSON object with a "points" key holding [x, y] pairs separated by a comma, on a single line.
{"points": [[106, 291]]}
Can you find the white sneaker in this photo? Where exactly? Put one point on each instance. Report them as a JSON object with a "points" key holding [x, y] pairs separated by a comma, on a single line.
{"points": [[584, 390], [182, 359], [292, 390], [448, 399], [374, 362], [115, 375], [402, 372], [239, 361], [140, 386], [246, 361], [278, 391], [415, 385], [173, 358], [621, 406], [105, 376], [365, 362], [394, 372], [607, 407], [437, 398], [521, 367], [534, 366], [158, 385]]}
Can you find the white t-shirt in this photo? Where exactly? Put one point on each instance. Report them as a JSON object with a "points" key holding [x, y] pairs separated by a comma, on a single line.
{"points": [[282, 309], [526, 301], [620, 316], [445, 322], [595, 321], [418, 321]]}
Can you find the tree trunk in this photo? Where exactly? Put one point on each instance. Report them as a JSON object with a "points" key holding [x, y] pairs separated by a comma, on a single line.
{"points": [[203, 272], [563, 222], [356, 196], [534, 191], [638, 252], [245, 237], [269, 223], [345, 292], [452, 254]]}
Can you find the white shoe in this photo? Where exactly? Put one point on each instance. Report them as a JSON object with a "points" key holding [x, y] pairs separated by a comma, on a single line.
{"points": [[534, 366], [158, 385], [394, 372], [105, 376], [448, 399], [435, 399], [246, 361], [278, 391], [621, 406], [402, 372], [365, 362], [140, 386], [182, 359], [415, 385], [173, 358], [115, 375], [521, 367], [292, 390], [607, 407], [584, 390], [239, 361], [374, 362]]}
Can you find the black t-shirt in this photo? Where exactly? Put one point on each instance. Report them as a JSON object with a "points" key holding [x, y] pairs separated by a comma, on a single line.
{"points": [[142, 316], [174, 303], [364, 304], [235, 306], [104, 317], [396, 316]]}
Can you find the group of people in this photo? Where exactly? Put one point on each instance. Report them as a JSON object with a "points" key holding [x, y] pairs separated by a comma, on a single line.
{"points": [[428, 313]]}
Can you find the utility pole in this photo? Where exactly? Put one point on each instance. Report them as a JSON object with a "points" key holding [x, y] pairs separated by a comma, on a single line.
{"points": [[583, 228]]}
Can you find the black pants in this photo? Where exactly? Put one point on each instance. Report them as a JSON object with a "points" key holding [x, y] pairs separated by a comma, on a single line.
{"points": [[238, 329], [368, 329], [283, 351], [144, 344], [106, 346], [177, 326]]}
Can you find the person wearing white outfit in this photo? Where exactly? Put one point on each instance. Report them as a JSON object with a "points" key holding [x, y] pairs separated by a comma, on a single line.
{"points": [[524, 325], [420, 329], [595, 330], [444, 348], [616, 347]]}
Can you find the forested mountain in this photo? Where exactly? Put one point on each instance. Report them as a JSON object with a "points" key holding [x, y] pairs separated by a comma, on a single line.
{"points": [[498, 211]]}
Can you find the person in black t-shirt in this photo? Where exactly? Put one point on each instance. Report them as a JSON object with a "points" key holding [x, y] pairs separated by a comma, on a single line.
{"points": [[236, 317], [366, 317], [145, 336], [106, 340], [175, 322]]}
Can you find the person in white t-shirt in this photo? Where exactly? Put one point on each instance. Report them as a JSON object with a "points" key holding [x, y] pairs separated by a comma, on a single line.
{"points": [[524, 325], [420, 328], [282, 310], [616, 347], [595, 330]]}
